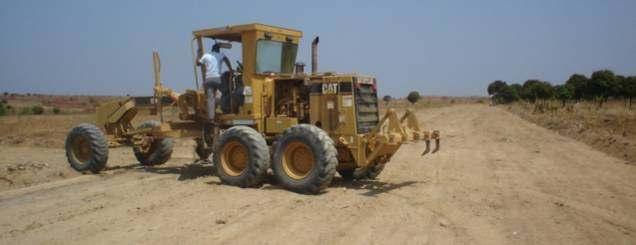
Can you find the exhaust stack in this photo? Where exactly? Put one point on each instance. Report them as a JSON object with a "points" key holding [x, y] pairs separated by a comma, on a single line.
{"points": [[314, 55]]}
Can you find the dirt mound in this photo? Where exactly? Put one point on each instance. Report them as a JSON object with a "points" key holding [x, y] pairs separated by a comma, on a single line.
{"points": [[611, 129]]}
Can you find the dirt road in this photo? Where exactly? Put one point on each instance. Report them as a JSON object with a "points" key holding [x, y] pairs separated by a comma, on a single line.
{"points": [[497, 180]]}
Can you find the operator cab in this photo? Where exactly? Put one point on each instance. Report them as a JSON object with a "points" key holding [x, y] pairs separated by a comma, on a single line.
{"points": [[267, 57]]}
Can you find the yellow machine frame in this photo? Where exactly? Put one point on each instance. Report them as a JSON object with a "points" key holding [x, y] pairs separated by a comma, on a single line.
{"points": [[343, 105]]}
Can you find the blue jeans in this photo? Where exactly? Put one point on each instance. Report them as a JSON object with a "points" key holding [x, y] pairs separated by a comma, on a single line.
{"points": [[211, 85]]}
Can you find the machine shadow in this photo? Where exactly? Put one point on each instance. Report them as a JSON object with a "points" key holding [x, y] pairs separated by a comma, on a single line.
{"points": [[185, 172], [123, 167], [195, 170], [372, 187]]}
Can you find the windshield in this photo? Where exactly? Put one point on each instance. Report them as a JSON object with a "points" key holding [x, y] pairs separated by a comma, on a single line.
{"points": [[273, 56]]}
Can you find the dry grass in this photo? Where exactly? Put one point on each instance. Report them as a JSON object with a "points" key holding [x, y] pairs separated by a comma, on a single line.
{"points": [[40, 130], [432, 102], [69, 104], [611, 129], [46, 130]]}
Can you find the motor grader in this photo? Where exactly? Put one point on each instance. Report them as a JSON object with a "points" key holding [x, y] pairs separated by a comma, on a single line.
{"points": [[304, 126]]}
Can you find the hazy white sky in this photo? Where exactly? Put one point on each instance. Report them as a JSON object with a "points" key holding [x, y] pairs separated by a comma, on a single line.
{"points": [[435, 47]]}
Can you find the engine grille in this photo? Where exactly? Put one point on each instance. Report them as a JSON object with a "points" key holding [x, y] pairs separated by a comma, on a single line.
{"points": [[366, 107]]}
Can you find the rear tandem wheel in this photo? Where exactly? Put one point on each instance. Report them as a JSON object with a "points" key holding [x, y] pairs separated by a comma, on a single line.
{"points": [[241, 157], [305, 159]]}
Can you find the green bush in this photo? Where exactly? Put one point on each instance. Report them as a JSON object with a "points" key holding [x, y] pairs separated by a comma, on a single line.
{"points": [[387, 99], [37, 110], [56, 110], [413, 97], [3, 110]]}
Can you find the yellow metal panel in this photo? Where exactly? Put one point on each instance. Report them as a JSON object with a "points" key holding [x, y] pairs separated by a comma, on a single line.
{"points": [[121, 111], [346, 116], [111, 112], [279, 124], [234, 30], [253, 81], [104, 110]]}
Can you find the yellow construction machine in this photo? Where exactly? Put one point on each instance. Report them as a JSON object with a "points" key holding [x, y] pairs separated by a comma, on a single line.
{"points": [[304, 126]]}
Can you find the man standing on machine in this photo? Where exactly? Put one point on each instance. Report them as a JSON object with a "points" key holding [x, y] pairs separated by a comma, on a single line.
{"points": [[212, 64]]}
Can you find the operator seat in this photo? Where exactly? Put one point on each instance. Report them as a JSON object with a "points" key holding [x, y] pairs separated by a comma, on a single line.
{"points": [[231, 92]]}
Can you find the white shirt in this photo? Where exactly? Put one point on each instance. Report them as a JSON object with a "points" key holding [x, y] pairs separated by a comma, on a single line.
{"points": [[212, 62]]}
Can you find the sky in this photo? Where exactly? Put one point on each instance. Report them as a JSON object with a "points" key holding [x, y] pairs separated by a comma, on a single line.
{"points": [[449, 47]]}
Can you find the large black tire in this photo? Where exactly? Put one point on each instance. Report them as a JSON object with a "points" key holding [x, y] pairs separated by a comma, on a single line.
{"points": [[86, 148], [160, 149], [346, 173], [296, 175], [241, 157]]}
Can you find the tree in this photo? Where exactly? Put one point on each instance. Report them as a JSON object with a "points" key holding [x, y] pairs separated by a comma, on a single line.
{"points": [[544, 91], [528, 90], [495, 87], [387, 98], [577, 83], [506, 94], [563, 93], [616, 87], [413, 97], [601, 85], [502, 93], [517, 88]]}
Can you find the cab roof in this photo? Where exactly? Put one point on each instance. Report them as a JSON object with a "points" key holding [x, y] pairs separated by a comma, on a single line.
{"points": [[234, 32]]}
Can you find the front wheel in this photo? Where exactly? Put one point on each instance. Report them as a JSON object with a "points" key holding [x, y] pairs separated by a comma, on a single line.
{"points": [[86, 148], [305, 159]]}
